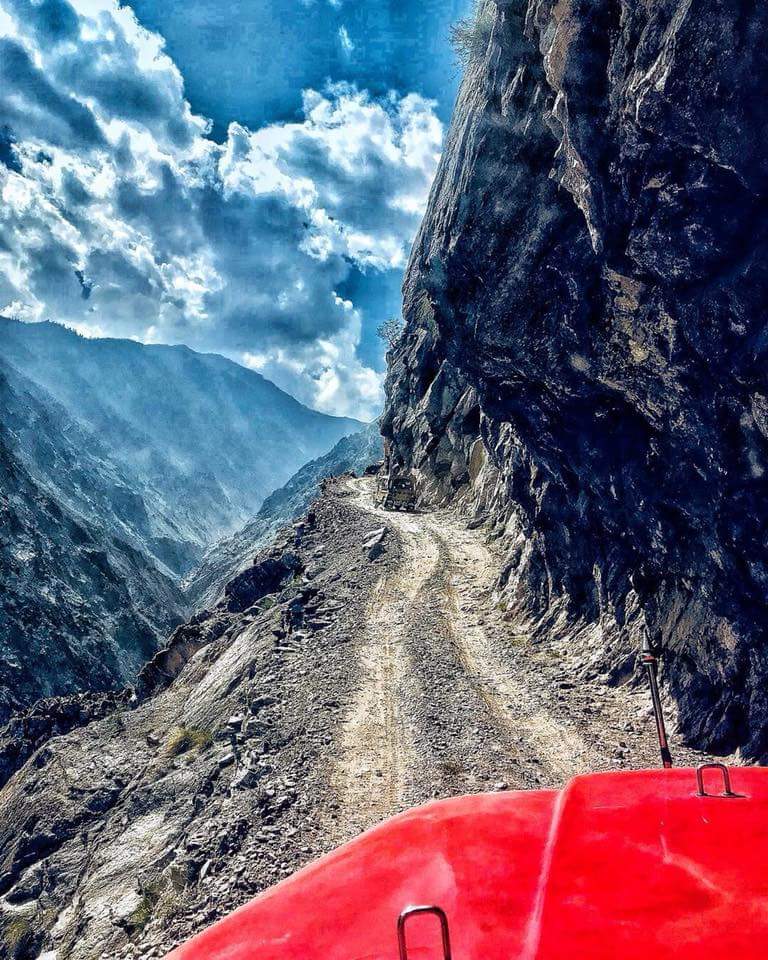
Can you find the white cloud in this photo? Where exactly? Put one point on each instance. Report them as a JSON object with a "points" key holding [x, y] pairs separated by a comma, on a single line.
{"points": [[120, 216], [325, 372], [345, 40]]}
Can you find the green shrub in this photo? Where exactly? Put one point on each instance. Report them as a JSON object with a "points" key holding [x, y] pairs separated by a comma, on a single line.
{"points": [[142, 914], [470, 35], [17, 937], [170, 906]]}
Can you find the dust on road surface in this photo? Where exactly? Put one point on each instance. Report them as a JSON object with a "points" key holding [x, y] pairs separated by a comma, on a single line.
{"points": [[452, 698]]}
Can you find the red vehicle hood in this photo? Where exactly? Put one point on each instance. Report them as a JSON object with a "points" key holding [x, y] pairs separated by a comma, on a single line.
{"points": [[617, 866]]}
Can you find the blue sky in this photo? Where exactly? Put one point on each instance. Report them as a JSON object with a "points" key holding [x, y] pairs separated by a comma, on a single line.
{"points": [[245, 177], [226, 51]]}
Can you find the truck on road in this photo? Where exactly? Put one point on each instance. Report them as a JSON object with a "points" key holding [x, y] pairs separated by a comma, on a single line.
{"points": [[396, 492]]}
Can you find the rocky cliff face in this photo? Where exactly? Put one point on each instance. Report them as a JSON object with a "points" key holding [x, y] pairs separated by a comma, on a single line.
{"points": [[79, 608], [584, 359]]}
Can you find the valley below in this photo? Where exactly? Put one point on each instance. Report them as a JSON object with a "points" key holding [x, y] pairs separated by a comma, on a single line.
{"points": [[121, 466], [361, 666]]}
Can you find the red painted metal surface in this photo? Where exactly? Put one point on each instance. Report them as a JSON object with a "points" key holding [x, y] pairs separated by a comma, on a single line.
{"points": [[620, 865]]}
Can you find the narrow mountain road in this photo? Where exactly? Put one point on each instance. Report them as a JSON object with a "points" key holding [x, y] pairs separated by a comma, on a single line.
{"points": [[451, 698], [376, 753], [363, 686]]}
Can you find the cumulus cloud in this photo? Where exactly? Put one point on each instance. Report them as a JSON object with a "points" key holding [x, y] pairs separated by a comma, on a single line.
{"points": [[120, 214]]}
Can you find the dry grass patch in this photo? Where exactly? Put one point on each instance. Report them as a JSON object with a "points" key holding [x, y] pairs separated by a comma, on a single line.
{"points": [[182, 739]]}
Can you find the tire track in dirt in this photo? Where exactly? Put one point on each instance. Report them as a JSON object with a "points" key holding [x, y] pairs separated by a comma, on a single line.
{"points": [[453, 698], [510, 696], [443, 707], [376, 750]]}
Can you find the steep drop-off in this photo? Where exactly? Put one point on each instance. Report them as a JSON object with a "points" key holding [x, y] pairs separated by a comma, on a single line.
{"points": [[79, 608], [584, 354], [230, 556]]}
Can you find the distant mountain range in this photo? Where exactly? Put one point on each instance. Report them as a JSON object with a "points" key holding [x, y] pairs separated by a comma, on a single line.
{"points": [[229, 556], [120, 464], [199, 438]]}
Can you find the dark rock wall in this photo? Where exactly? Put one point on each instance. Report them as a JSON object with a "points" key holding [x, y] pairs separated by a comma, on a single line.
{"points": [[585, 351], [79, 608]]}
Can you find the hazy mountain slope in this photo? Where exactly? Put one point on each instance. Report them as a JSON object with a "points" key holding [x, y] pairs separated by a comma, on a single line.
{"points": [[585, 350], [72, 464], [206, 438], [121, 464], [228, 557], [78, 607]]}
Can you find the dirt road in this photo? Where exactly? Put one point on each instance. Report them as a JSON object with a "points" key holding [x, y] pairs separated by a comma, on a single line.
{"points": [[365, 685], [452, 698]]}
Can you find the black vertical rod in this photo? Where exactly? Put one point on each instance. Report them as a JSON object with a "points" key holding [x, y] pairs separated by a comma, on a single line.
{"points": [[651, 663], [411, 911]]}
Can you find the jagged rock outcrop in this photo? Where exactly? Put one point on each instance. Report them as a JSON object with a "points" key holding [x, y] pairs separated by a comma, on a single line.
{"points": [[584, 354], [271, 571], [54, 717]]}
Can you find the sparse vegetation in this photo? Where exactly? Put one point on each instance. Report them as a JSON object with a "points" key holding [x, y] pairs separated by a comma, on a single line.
{"points": [[151, 894], [170, 906], [182, 739], [391, 331], [17, 937], [140, 916], [470, 35]]}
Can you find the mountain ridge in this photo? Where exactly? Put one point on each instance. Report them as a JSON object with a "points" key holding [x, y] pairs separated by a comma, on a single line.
{"points": [[200, 434], [130, 455]]}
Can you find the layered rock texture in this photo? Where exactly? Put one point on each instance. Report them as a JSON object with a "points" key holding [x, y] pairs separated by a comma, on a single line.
{"points": [[79, 608], [584, 359]]}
